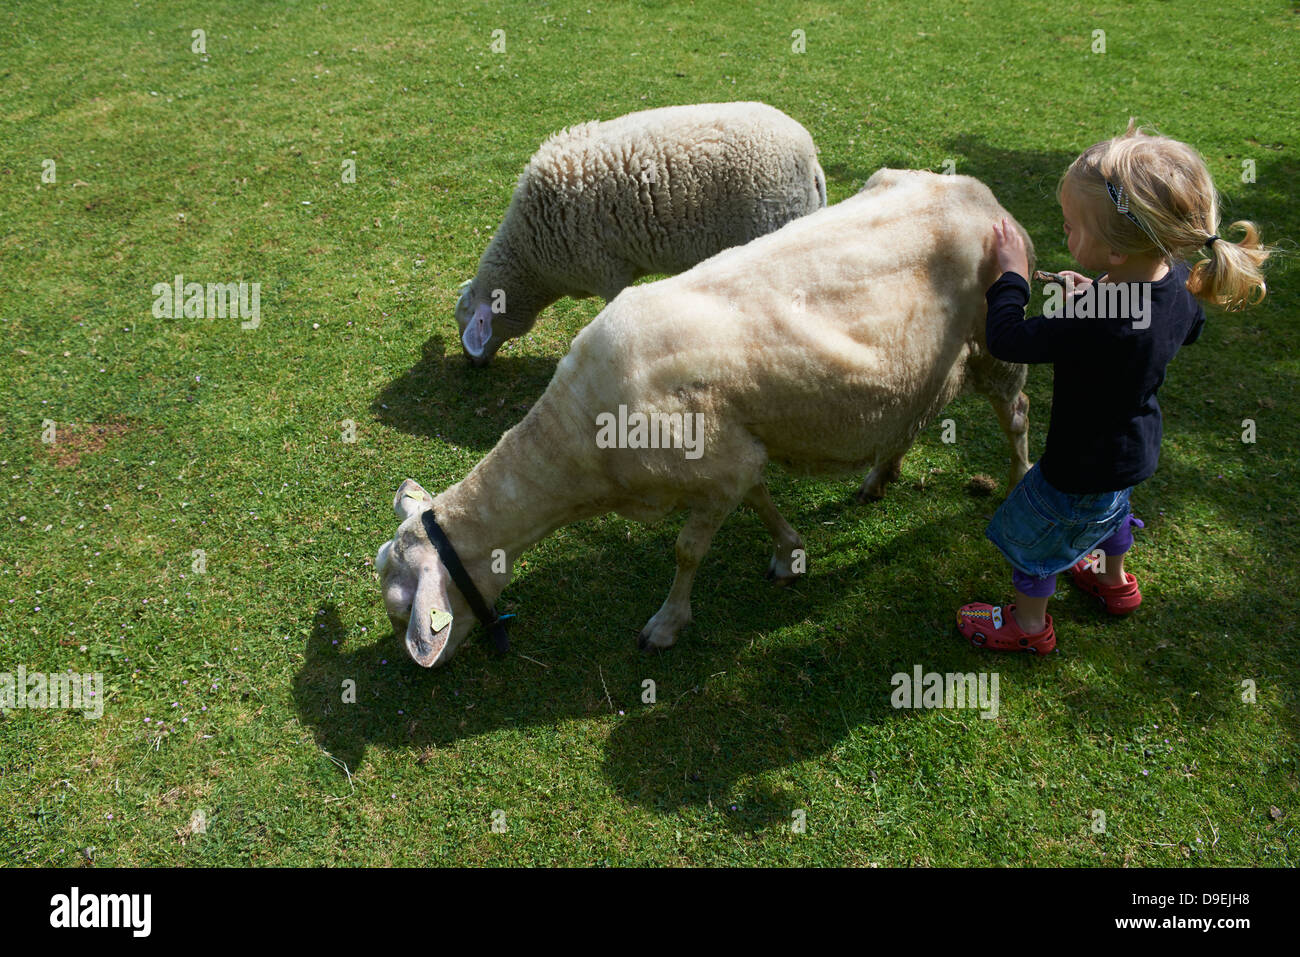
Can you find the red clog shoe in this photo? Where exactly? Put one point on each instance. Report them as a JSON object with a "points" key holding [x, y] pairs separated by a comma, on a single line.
{"points": [[996, 628], [1116, 599]]}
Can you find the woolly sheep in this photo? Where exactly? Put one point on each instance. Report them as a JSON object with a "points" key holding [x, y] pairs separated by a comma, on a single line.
{"points": [[602, 204], [826, 346]]}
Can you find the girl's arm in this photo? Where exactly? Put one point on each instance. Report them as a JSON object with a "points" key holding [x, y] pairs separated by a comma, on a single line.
{"points": [[1009, 335]]}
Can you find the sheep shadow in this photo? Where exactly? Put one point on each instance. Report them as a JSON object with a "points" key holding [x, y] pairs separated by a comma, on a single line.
{"points": [[443, 397], [569, 659], [738, 695]]}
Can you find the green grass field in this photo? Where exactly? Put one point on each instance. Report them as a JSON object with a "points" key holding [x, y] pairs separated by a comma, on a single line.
{"points": [[223, 688]]}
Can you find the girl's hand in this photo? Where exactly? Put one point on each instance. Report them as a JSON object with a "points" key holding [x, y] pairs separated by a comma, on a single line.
{"points": [[1078, 278], [1009, 247]]}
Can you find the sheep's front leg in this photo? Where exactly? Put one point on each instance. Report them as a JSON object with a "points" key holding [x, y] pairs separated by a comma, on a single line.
{"points": [[890, 469], [692, 542], [1013, 416], [785, 565]]}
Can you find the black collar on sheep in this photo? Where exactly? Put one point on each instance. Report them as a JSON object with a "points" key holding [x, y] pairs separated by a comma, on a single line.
{"points": [[488, 616]]}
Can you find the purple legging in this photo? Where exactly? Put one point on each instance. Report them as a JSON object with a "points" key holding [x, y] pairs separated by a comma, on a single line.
{"points": [[1117, 544]]}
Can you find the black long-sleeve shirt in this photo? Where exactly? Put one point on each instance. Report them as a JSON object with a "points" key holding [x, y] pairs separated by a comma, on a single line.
{"points": [[1106, 427]]}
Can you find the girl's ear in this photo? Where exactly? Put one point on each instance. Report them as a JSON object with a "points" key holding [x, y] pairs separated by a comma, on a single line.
{"points": [[1117, 259]]}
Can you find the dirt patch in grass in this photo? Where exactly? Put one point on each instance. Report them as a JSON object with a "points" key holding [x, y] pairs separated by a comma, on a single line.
{"points": [[981, 485], [73, 441]]}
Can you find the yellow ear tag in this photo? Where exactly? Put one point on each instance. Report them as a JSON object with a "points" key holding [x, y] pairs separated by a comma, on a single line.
{"points": [[439, 619], [418, 498]]}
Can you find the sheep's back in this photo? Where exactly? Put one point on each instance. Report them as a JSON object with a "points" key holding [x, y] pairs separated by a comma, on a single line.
{"points": [[832, 340], [661, 190]]}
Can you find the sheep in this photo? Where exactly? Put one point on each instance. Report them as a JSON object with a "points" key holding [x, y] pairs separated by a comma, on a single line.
{"points": [[826, 346], [604, 203]]}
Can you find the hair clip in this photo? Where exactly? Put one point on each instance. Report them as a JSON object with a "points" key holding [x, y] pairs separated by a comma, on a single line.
{"points": [[1120, 199], [1117, 196]]}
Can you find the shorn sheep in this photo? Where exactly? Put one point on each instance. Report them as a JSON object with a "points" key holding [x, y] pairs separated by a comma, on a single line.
{"points": [[602, 204], [826, 346]]}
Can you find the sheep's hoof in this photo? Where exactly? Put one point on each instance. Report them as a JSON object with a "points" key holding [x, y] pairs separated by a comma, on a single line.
{"points": [[867, 494], [656, 636], [648, 642], [779, 573]]}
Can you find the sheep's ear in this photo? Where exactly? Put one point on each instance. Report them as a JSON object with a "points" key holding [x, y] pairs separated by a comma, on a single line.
{"points": [[411, 499], [478, 331], [429, 629], [382, 558]]}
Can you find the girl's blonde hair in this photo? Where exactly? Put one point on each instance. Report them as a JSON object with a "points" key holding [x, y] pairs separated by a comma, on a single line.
{"points": [[1172, 209]]}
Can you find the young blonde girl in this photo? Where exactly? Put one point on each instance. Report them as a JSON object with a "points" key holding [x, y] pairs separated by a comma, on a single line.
{"points": [[1137, 208]]}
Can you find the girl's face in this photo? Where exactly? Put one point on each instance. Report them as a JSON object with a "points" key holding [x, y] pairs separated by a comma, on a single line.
{"points": [[1088, 251]]}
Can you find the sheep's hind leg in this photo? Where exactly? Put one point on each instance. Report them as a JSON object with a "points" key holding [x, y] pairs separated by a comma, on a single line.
{"points": [[1013, 416], [1002, 384], [878, 479], [789, 560], [692, 542]]}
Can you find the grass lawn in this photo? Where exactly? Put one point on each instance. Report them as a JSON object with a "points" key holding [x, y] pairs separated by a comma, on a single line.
{"points": [[224, 739]]}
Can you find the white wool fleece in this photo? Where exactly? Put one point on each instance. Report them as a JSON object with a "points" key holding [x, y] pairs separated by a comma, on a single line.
{"points": [[604, 203]]}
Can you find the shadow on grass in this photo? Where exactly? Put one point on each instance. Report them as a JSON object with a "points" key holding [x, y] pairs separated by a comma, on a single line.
{"points": [[578, 619], [1031, 174], [442, 396], [736, 697], [1025, 182]]}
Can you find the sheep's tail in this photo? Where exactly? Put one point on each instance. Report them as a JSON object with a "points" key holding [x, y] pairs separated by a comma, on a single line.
{"points": [[819, 180]]}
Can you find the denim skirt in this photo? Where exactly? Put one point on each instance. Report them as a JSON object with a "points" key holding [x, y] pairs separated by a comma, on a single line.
{"points": [[1042, 530]]}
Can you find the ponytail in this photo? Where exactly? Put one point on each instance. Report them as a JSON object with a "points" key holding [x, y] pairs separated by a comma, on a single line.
{"points": [[1233, 275]]}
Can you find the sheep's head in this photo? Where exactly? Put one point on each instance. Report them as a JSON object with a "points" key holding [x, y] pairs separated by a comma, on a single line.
{"points": [[418, 591], [478, 338]]}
